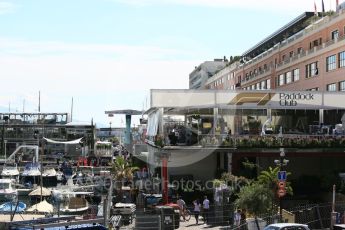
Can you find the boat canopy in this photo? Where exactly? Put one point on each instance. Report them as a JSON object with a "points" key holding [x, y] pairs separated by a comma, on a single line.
{"points": [[77, 141]]}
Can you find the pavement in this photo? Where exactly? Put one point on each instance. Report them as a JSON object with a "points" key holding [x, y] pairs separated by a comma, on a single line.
{"points": [[191, 225], [184, 225]]}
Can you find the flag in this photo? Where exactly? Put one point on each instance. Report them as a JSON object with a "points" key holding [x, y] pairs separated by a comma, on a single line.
{"points": [[315, 10], [323, 7]]}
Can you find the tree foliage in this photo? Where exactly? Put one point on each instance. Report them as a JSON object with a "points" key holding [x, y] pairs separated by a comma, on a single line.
{"points": [[269, 178], [255, 198], [122, 169]]}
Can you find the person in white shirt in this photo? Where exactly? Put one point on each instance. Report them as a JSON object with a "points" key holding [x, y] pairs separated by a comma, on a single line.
{"points": [[197, 207], [237, 218], [181, 204], [206, 209]]}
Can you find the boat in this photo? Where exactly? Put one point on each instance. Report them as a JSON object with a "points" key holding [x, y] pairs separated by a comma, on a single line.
{"points": [[49, 177], [7, 190], [12, 205], [31, 174], [74, 206], [10, 171]]}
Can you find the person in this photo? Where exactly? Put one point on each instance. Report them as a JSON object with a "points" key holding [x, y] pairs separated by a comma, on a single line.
{"points": [[206, 209], [181, 204], [197, 207], [237, 218]]}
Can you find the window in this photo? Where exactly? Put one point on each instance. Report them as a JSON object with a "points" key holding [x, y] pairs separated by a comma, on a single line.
{"points": [[311, 70], [335, 34], [342, 86], [295, 73], [263, 85], [331, 63], [291, 54], [283, 58], [299, 50], [281, 79], [258, 86], [252, 87], [342, 59], [331, 87], [268, 83], [288, 78], [313, 89]]}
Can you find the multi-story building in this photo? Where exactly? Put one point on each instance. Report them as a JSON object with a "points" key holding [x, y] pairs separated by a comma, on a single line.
{"points": [[204, 71], [30, 129], [306, 54]]}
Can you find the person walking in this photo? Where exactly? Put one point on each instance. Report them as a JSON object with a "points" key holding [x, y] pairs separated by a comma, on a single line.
{"points": [[206, 209], [182, 205], [237, 218], [197, 207]]}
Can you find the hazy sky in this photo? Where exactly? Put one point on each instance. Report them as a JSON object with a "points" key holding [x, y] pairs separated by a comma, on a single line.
{"points": [[107, 54]]}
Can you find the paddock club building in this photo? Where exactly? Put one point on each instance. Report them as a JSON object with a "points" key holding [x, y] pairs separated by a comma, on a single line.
{"points": [[202, 133]]}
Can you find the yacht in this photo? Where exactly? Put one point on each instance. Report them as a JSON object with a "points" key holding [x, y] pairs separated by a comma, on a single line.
{"points": [[49, 177], [31, 174], [7, 190], [10, 171]]}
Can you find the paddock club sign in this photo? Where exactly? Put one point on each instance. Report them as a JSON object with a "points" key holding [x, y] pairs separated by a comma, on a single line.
{"points": [[280, 99], [292, 99]]}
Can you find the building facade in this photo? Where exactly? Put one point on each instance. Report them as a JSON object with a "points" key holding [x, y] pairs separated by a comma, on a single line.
{"points": [[204, 71], [306, 54]]}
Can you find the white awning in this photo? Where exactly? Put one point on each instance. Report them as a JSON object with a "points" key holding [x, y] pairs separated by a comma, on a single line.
{"points": [[153, 122], [77, 141]]}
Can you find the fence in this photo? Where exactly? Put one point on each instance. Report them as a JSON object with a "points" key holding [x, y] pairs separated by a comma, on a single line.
{"points": [[316, 216]]}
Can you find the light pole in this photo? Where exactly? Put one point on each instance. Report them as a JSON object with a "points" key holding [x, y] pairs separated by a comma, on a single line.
{"points": [[109, 129], [281, 178]]}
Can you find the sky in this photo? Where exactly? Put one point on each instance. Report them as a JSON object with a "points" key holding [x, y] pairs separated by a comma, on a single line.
{"points": [[108, 54]]}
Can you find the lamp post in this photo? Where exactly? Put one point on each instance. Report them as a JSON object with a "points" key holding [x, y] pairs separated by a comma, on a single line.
{"points": [[109, 129], [281, 178]]}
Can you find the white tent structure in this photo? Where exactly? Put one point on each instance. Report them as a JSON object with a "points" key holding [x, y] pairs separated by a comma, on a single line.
{"points": [[39, 191], [43, 207]]}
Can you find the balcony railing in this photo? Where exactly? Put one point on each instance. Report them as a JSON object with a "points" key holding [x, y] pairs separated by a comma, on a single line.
{"points": [[256, 141]]}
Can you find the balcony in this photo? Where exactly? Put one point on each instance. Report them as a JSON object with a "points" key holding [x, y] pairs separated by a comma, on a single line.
{"points": [[189, 137], [312, 52], [254, 77]]}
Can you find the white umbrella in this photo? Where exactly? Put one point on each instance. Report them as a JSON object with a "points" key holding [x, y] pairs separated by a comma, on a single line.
{"points": [[43, 206], [38, 191]]}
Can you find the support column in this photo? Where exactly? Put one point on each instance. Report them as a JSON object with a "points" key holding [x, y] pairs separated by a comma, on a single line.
{"points": [[230, 163], [165, 179], [128, 129], [164, 156], [321, 116], [269, 113], [215, 120]]}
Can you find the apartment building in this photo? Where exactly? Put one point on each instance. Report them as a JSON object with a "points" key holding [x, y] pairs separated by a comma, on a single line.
{"points": [[306, 54], [201, 73]]}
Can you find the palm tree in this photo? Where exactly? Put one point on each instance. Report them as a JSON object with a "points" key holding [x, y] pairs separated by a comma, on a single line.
{"points": [[270, 179], [122, 169]]}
